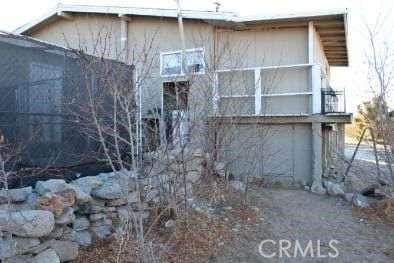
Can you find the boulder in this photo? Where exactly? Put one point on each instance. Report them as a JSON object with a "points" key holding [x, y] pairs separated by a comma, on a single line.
{"points": [[102, 231], [57, 202], [110, 190], [333, 188], [51, 186], [18, 259], [238, 186], [170, 224], [96, 217], [80, 194], [348, 197], [360, 201], [16, 245], [88, 183], [220, 169], [66, 250], [318, 189], [81, 223], [56, 233], [46, 256], [68, 234], [15, 195], [67, 217], [83, 238], [27, 223]]}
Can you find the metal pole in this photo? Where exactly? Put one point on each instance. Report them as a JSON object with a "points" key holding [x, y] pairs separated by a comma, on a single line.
{"points": [[355, 152], [376, 153]]}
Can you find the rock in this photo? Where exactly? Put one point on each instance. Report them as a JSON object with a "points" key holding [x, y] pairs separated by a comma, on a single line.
{"points": [[16, 245], [117, 202], [56, 233], [96, 217], [360, 201], [57, 202], [32, 200], [109, 190], [193, 176], [101, 222], [18, 259], [333, 189], [15, 195], [80, 195], [238, 185], [318, 189], [67, 217], [170, 224], [86, 184], [92, 207], [47, 256], [81, 223], [83, 238], [109, 209], [66, 250], [348, 197], [220, 169], [51, 186], [28, 223], [69, 234], [151, 195], [102, 231]]}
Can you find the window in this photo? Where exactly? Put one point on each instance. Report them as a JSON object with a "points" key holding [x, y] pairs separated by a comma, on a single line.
{"points": [[195, 61], [171, 62]]}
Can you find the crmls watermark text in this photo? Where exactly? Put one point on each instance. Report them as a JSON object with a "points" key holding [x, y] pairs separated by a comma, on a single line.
{"points": [[294, 249]]}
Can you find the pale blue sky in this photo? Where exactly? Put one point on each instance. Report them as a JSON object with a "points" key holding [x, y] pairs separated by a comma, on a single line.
{"points": [[15, 13]]}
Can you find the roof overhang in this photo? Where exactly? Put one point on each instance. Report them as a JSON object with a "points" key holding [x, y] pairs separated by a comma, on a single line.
{"points": [[331, 26]]}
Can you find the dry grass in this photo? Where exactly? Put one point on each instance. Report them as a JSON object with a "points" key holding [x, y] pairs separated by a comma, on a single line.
{"points": [[197, 236], [382, 211]]}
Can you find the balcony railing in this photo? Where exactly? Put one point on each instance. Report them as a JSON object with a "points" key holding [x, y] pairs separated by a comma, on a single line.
{"points": [[333, 101]]}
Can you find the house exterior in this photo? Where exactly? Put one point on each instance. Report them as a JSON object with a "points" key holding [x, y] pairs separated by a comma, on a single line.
{"points": [[265, 81]]}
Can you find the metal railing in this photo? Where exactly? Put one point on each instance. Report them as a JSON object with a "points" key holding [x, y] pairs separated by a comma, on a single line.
{"points": [[333, 101]]}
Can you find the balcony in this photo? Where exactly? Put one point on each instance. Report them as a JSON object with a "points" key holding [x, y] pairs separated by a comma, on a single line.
{"points": [[333, 101]]}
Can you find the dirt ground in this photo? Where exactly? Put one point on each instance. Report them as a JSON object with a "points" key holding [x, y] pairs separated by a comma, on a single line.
{"points": [[300, 215]]}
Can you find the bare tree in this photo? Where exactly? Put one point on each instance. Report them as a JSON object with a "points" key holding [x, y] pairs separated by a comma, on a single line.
{"points": [[380, 58]]}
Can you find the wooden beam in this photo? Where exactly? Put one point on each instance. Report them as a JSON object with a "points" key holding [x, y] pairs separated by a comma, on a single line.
{"points": [[332, 38], [124, 17], [336, 32], [321, 24], [65, 15], [334, 44]]}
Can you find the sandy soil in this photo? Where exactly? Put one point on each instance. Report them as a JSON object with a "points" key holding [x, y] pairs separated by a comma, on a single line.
{"points": [[299, 215]]}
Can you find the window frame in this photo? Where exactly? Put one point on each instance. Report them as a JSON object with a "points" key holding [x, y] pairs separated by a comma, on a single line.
{"points": [[182, 73]]}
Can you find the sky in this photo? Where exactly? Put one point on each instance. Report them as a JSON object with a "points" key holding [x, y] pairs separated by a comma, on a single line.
{"points": [[354, 79]]}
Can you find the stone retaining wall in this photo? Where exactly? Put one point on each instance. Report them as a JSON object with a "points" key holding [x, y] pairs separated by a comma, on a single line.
{"points": [[50, 222]]}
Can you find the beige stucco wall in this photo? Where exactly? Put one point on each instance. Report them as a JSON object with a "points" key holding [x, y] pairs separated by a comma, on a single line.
{"points": [[147, 37], [263, 47], [277, 153]]}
